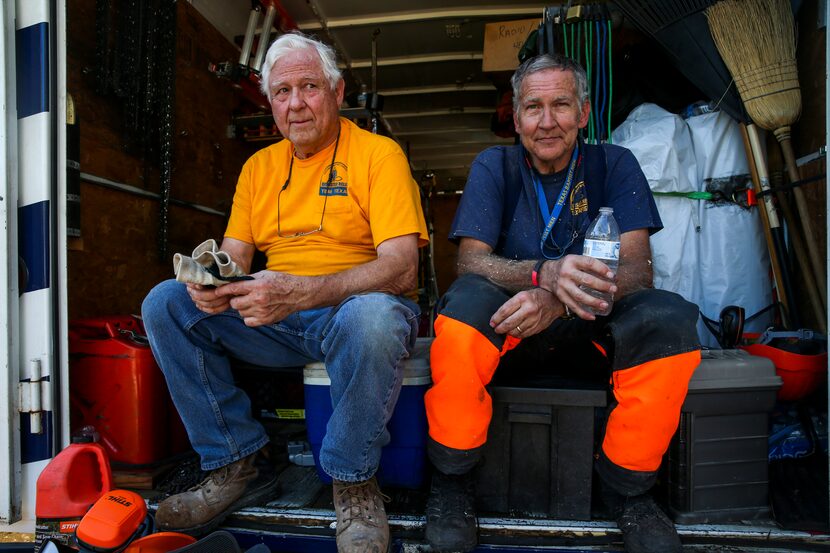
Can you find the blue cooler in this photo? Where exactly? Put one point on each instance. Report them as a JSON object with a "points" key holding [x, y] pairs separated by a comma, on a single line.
{"points": [[403, 460]]}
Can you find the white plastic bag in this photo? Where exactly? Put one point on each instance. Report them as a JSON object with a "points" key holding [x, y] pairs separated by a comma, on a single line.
{"points": [[713, 254]]}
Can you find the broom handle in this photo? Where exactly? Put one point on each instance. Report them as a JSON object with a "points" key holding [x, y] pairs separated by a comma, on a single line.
{"points": [[769, 218], [783, 136]]}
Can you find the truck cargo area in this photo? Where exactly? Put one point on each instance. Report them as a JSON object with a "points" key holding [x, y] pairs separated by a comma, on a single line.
{"points": [[125, 126]]}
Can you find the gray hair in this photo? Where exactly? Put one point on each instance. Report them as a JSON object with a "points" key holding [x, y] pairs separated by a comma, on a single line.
{"points": [[291, 42], [550, 61]]}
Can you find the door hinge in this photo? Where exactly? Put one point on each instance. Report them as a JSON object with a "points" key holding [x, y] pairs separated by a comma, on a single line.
{"points": [[34, 396]]}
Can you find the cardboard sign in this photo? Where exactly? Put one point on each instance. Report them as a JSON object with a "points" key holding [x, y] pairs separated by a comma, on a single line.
{"points": [[502, 42]]}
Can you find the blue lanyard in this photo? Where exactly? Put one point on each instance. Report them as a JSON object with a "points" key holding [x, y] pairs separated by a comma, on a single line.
{"points": [[560, 201]]}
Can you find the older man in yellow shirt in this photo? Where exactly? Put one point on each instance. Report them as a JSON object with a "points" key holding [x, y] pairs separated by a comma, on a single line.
{"points": [[338, 216]]}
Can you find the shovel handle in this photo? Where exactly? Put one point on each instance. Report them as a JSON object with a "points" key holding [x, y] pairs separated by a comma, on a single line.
{"points": [[769, 217]]}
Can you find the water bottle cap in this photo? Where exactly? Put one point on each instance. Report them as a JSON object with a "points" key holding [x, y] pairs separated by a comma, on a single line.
{"points": [[606, 210]]}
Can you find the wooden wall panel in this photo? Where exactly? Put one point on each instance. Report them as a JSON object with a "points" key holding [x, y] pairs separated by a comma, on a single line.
{"points": [[208, 162], [808, 134], [116, 261], [444, 252]]}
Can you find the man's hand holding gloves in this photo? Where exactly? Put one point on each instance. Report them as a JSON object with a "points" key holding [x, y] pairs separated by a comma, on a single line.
{"points": [[207, 265]]}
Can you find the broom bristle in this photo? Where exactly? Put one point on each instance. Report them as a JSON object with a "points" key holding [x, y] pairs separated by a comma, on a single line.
{"points": [[756, 40]]}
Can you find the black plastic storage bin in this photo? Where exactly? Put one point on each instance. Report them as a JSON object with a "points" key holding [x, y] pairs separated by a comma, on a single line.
{"points": [[538, 458], [716, 465]]}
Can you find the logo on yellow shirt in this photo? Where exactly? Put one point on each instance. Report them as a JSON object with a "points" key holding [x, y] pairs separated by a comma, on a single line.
{"points": [[339, 185]]}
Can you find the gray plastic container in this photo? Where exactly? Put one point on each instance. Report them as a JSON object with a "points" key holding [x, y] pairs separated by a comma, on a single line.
{"points": [[716, 464]]}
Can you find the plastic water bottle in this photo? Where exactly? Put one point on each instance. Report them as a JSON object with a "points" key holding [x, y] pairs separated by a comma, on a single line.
{"points": [[602, 241]]}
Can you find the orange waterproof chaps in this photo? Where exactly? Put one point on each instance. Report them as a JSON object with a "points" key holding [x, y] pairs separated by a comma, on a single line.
{"points": [[650, 339]]}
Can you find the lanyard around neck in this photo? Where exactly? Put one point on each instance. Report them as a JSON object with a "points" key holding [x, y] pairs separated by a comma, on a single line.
{"points": [[551, 218]]}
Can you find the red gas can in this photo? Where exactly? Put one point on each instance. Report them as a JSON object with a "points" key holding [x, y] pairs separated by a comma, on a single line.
{"points": [[74, 480], [116, 387]]}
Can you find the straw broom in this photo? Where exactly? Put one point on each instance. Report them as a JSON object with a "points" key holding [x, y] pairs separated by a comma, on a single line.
{"points": [[756, 41]]}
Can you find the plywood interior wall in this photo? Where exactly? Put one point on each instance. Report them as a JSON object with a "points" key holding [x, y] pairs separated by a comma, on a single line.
{"points": [[444, 252], [116, 261], [809, 133]]}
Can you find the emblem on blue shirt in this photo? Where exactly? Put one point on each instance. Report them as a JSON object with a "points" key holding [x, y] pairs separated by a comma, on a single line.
{"points": [[579, 203], [339, 185]]}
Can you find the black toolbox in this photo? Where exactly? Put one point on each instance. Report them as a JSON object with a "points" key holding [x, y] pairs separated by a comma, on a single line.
{"points": [[538, 459]]}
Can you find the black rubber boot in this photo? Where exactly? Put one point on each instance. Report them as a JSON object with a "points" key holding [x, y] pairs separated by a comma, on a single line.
{"points": [[645, 527], [451, 517]]}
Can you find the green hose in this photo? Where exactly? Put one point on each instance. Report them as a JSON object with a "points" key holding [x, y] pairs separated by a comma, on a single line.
{"points": [[565, 39], [704, 196]]}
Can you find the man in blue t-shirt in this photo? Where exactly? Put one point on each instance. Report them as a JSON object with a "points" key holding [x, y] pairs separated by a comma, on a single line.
{"points": [[520, 228]]}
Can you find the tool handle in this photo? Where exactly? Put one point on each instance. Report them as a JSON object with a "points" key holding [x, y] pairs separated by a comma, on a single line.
{"points": [[765, 211]]}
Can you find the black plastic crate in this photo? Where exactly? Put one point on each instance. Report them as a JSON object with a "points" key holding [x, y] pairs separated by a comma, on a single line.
{"points": [[538, 459], [716, 466]]}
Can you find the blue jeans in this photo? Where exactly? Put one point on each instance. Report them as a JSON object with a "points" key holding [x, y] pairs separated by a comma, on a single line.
{"points": [[363, 342]]}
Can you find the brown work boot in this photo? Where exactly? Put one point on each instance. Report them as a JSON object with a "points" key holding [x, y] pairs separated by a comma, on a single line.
{"points": [[203, 507], [361, 518]]}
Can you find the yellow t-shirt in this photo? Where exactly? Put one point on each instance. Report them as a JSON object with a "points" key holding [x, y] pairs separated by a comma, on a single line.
{"points": [[372, 197]]}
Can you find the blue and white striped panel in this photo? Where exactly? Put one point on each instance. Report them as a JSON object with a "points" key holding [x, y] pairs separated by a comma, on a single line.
{"points": [[32, 49], [35, 94]]}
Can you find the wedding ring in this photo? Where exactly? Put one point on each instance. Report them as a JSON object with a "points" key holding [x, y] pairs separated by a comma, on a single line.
{"points": [[518, 329]]}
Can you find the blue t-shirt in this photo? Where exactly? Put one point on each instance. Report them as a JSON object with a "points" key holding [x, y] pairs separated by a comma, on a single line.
{"points": [[482, 212]]}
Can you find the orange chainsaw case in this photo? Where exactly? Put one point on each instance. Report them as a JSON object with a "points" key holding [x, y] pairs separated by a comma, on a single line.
{"points": [[112, 522]]}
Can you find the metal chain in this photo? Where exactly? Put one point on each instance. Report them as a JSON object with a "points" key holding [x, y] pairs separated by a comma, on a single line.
{"points": [[129, 59], [102, 34], [138, 65], [150, 82], [167, 93]]}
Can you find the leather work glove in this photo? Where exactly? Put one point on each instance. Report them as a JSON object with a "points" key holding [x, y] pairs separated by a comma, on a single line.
{"points": [[208, 265]]}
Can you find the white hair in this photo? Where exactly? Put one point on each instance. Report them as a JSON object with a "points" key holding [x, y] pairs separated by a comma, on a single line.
{"points": [[291, 42]]}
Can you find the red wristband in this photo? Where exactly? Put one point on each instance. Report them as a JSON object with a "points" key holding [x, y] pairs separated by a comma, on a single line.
{"points": [[534, 276]]}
